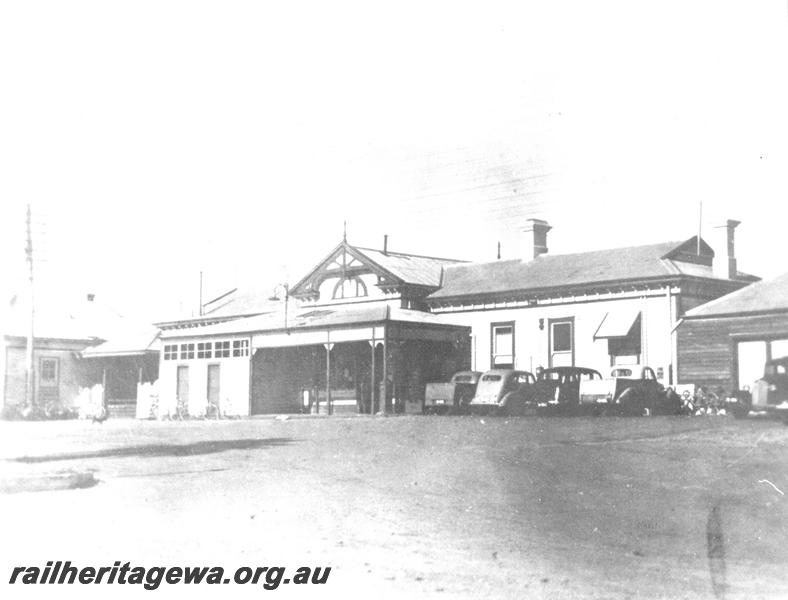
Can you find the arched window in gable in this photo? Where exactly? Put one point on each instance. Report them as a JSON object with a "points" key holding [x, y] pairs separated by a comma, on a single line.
{"points": [[349, 287]]}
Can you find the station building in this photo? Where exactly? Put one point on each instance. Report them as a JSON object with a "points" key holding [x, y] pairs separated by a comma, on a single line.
{"points": [[366, 328]]}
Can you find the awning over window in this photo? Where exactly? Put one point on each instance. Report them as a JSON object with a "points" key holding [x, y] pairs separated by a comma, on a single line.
{"points": [[617, 324]]}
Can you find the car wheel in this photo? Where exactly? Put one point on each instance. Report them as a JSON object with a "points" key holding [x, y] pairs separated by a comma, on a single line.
{"points": [[740, 413], [627, 402], [509, 406], [672, 403]]}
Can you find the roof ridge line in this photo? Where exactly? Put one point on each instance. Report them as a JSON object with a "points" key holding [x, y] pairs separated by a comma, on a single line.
{"points": [[389, 253], [548, 256]]}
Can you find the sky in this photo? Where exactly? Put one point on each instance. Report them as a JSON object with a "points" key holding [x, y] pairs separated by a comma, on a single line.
{"points": [[158, 139]]}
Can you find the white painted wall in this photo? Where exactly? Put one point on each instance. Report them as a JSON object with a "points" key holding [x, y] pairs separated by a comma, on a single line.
{"points": [[233, 385], [531, 342]]}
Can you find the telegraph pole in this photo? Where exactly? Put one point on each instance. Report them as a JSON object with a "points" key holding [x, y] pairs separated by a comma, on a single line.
{"points": [[29, 382], [201, 305]]}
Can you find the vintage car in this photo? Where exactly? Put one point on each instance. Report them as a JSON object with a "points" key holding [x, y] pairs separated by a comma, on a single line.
{"points": [[452, 397], [769, 394], [557, 389], [630, 389], [503, 391]]}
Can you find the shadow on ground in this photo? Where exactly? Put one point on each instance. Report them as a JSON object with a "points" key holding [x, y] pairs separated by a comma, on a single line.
{"points": [[155, 450], [68, 480]]}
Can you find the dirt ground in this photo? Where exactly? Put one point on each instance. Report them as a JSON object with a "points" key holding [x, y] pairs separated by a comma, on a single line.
{"points": [[437, 507]]}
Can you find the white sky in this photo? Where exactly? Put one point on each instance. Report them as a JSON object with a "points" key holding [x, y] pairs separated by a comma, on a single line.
{"points": [[155, 139]]}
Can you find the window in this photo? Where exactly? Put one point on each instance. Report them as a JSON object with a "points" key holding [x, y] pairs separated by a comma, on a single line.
{"points": [[350, 287], [221, 350], [778, 348], [204, 350], [622, 373], [187, 351], [502, 343], [562, 344], [626, 349], [48, 370], [171, 352], [241, 348]]}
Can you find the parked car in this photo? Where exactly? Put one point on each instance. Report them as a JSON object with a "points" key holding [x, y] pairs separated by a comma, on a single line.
{"points": [[452, 397], [503, 391], [557, 389], [769, 394], [630, 389]]}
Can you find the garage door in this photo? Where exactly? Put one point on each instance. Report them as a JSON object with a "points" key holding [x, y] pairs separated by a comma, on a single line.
{"points": [[751, 357]]}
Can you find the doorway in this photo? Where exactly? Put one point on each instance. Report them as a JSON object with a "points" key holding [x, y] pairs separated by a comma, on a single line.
{"points": [[182, 391], [214, 386]]}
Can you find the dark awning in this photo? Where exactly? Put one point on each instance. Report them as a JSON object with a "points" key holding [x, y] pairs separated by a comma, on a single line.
{"points": [[617, 324]]}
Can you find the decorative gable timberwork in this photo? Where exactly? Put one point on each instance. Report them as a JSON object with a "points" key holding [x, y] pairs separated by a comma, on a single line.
{"points": [[346, 274], [351, 272]]}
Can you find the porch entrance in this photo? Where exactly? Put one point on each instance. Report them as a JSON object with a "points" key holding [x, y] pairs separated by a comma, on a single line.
{"points": [[350, 377]]}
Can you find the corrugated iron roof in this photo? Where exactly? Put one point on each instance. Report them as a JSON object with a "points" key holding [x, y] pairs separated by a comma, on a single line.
{"points": [[566, 270], [762, 296], [410, 268], [243, 302], [314, 318], [62, 318], [128, 343]]}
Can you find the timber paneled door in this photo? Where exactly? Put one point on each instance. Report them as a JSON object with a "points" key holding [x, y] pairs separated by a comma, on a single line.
{"points": [[213, 385], [183, 385]]}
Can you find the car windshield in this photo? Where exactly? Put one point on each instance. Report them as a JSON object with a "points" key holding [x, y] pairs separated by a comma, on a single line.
{"points": [[622, 373], [491, 378]]}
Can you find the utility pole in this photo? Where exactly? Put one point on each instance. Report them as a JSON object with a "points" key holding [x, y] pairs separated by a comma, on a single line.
{"points": [[29, 382], [201, 305]]}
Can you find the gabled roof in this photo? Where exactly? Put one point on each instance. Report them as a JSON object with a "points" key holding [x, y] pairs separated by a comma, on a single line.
{"points": [[760, 297], [62, 318], [410, 269], [548, 272], [398, 268]]}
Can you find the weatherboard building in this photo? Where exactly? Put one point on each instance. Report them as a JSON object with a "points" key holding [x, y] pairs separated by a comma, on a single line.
{"points": [[366, 328]]}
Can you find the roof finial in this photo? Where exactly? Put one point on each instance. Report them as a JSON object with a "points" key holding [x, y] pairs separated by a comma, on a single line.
{"points": [[344, 231]]}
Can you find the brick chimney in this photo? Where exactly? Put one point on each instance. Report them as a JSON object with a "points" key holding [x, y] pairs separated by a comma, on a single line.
{"points": [[724, 250], [535, 242]]}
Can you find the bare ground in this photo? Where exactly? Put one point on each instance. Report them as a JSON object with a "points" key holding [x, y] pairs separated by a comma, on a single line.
{"points": [[443, 507]]}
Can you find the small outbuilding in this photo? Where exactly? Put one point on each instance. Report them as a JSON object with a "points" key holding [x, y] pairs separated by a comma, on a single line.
{"points": [[725, 343]]}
